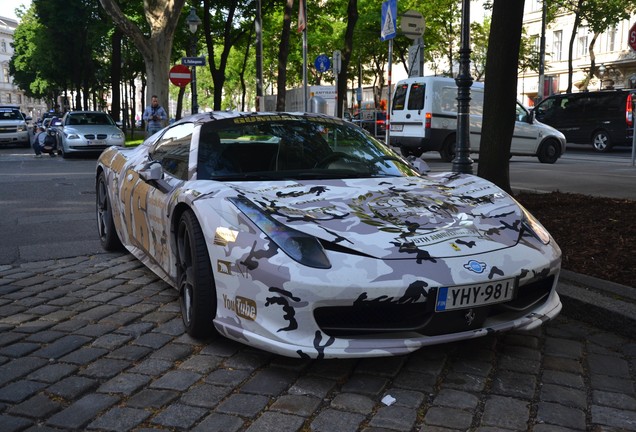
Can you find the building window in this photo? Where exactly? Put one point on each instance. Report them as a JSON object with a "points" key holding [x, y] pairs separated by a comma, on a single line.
{"points": [[611, 39], [557, 45], [5, 73], [20, 99], [582, 42], [3, 46], [536, 43]]}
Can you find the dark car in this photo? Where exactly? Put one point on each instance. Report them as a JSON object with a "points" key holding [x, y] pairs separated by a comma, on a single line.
{"points": [[602, 118], [372, 121]]}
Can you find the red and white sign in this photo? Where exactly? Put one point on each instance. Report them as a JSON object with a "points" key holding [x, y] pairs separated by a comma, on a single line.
{"points": [[180, 75], [631, 37]]}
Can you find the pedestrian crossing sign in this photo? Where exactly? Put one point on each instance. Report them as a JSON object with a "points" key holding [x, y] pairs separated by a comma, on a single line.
{"points": [[389, 16]]}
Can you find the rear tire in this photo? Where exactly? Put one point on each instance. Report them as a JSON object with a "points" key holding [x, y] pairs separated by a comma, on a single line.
{"points": [[105, 225], [447, 150], [549, 152], [601, 141], [197, 291]]}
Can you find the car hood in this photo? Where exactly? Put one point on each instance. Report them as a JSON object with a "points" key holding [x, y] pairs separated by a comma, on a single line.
{"points": [[435, 216], [91, 129]]}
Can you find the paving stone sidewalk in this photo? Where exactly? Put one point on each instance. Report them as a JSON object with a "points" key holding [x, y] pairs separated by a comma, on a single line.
{"points": [[97, 343]]}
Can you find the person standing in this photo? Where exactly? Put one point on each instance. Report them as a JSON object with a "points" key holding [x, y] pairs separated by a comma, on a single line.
{"points": [[154, 116]]}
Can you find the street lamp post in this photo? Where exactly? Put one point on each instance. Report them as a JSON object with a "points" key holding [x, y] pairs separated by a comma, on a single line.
{"points": [[462, 162], [193, 22], [601, 73]]}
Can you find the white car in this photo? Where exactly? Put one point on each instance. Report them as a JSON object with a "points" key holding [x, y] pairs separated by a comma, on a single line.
{"points": [[13, 126], [303, 235], [88, 132]]}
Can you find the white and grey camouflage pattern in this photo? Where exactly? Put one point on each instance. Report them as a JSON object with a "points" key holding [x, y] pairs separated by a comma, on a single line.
{"points": [[392, 243]]}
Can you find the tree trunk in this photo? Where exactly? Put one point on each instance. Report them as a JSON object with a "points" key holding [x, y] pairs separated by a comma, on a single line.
{"points": [[115, 75], [162, 17], [283, 54], [500, 92], [575, 29], [352, 19]]}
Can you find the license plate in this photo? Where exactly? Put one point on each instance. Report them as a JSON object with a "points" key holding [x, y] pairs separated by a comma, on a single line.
{"points": [[96, 142], [396, 128], [468, 296]]}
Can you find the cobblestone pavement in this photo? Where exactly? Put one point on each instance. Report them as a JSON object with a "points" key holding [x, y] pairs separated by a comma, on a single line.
{"points": [[97, 343]]}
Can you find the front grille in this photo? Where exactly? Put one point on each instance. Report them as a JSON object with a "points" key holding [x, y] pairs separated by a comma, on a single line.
{"points": [[93, 136], [372, 317], [388, 316], [89, 147], [8, 129]]}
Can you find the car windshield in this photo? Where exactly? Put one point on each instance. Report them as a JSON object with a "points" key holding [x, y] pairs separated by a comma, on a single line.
{"points": [[10, 114], [89, 119], [292, 147]]}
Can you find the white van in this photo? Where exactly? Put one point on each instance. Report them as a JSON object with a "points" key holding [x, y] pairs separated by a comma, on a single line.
{"points": [[424, 118]]}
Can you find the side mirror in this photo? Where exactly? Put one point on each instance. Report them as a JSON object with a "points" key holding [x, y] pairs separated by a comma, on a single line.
{"points": [[152, 171], [418, 164]]}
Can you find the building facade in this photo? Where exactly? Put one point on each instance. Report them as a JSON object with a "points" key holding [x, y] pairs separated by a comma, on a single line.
{"points": [[615, 61], [10, 94]]}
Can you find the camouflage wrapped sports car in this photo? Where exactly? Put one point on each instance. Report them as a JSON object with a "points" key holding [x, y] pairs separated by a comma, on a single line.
{"points": [[302, 235]]}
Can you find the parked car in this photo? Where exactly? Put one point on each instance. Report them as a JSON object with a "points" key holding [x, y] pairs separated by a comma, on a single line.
{"points": [[424, 118], [601, 118], [13, 126], [302, 235], [88, 132], [372, 121]]}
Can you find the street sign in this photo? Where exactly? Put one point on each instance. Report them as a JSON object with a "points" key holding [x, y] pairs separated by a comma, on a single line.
{"points": [[193, 61], [337, 61], [412, 24], [180, 75], [631, 37], [388, 21], [322, 63]]}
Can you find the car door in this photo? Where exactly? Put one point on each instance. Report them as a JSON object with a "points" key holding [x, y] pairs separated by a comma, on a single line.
{"points": [[525, 137], [146, 203]]}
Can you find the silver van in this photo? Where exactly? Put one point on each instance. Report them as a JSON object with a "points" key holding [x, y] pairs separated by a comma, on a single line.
{"points": [[424, 118], [13, 126]]}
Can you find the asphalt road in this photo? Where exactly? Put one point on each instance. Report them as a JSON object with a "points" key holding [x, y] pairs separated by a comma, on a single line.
{"points": [[48, 204]]}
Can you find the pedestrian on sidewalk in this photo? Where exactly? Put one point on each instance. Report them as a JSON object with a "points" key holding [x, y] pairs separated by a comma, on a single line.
{"points": [[154, 116]]}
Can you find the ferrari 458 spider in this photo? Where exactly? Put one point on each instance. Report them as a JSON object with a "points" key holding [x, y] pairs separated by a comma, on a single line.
{"points": [[303, 235]]}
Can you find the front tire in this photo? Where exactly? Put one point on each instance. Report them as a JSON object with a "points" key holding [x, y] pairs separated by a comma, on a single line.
{"points": [[105, 224], [549, 152], [197, 292], [601, 142]]}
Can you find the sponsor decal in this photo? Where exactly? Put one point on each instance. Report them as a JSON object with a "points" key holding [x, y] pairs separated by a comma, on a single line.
{"points": [[223, 236], [475, 266], [443, 235], [241, 306], [224, 267]]}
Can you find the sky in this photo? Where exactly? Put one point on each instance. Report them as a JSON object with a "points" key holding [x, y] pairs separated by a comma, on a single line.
{"points": [[8, 7]]}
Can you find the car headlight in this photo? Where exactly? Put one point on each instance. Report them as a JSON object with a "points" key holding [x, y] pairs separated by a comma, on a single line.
{"points": [[534, 227], [72, 136], [21, 128], [118, 136], [301, 247]]}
